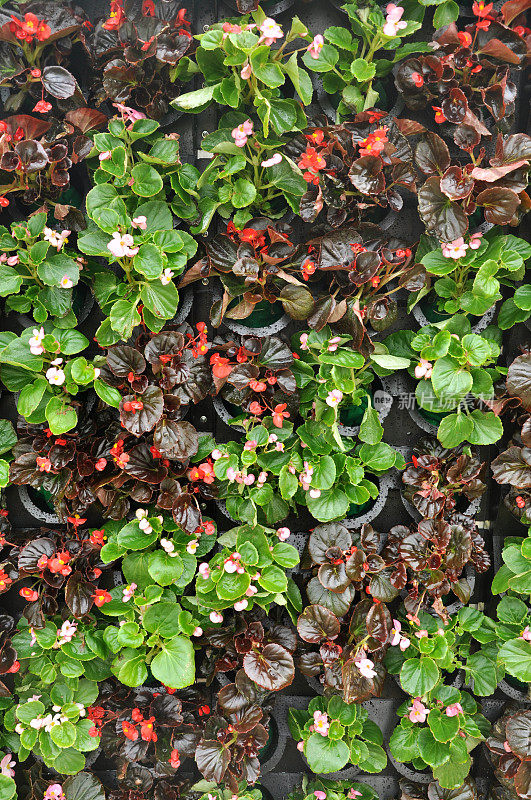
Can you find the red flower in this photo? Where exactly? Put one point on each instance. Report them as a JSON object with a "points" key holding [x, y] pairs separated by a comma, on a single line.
{"points": [[44, 464], [203, 710], [439, 115], [100, 464], [465, 38], [29, 28], [203, 472], [374, 143], [279, 415], [29, 594], [42, 563], [100, 597], [309, 177], [308, 267], [148, 8], [311, 160], [316, 137], [375, 116], [520, 502], [35, 73], [5, 580], [174, 759], [154, 452], [480, 9], [4, 202], [253, 237], [375, 281], [181, 18], [42, 107], [257, 386], [130, 732], [137, 715], [121, 460], [519, 29], [76, 520], [417, 79], [59, 563], [95, 713], [116, 18], [97, 538], [255, 408], [147, 730], [221, 367], [15, 667]]}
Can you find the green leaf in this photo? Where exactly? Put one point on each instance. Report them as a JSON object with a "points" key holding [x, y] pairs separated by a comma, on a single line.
{"points": [[516, 655], [160, 300], [174, 666], [148, 261], [165, 569], [146, 180], [371, 429], [419, 675], [487, 427], [433, 752], [446, 13], [69, 761], [30, 397], [442, 727], [194, 100], [267, 71], [63, 735], [244, 193], [60, 416], [404, 743], [124, 317], [450, 379], [163, 619], [362, 70], [326, 755], [454, 429], [325, 62], [107, 393], [300, 79]]}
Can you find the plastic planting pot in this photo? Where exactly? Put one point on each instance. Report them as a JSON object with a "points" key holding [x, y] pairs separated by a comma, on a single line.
{"points": [[433, 417], [351, 416]]}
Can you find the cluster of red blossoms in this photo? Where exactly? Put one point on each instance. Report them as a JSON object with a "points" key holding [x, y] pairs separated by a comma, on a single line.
{"points": [[5, 580], [253, 236], [374, 143], [30, 28], [202, 472], [147, 728], [57, 564], [117, 452], [117, 18], [278, 413], [100, 597], [311, 161]]}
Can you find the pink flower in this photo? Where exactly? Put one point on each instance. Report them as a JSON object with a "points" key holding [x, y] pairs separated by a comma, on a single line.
{"points": [[105, 155], [246, 71], [216, 617], [507, 747], [421, 634], [334, 398], [139, 222], [454, 710], [456, 249], [320, 795], [393, 21], [204, 570], [423, 369], [12, 261], [242, 132], [352, 793], [230, 28], [6, 766], [122, 245], [249, 479], [54, 792], [131, 115], [404, 643], [418, 711], [251, 590], [395, 633], [250, 445], [270, 31], [128, 592], [316, 46], [300, 746], [304, 341], [283, 534], [276, 158], [526, 634], [333, 343], [197, 631], [475, 241], [231, 474], [320, 723]]}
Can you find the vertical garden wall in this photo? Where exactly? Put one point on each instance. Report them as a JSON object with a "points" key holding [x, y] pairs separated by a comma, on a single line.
{"points": [[265, 432]]}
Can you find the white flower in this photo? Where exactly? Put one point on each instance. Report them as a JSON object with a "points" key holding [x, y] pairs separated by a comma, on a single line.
{"points": [[197, 631], [141, 513], [168, 546], [334, 398], [55, 376], [66, 282], [315, 493], [145, 526], [56, 362], [81, 708], [139, 222], [365, 666], [216, 617], [97, 372], [283, 534], [35, 343], [122, 245], [166, 276], [240, 605], [276, 158], [423, 369], [19, 728], [191, 547]]}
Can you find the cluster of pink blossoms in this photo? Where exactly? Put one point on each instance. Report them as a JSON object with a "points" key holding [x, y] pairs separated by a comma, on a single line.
{"points": [[457, 248]]}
